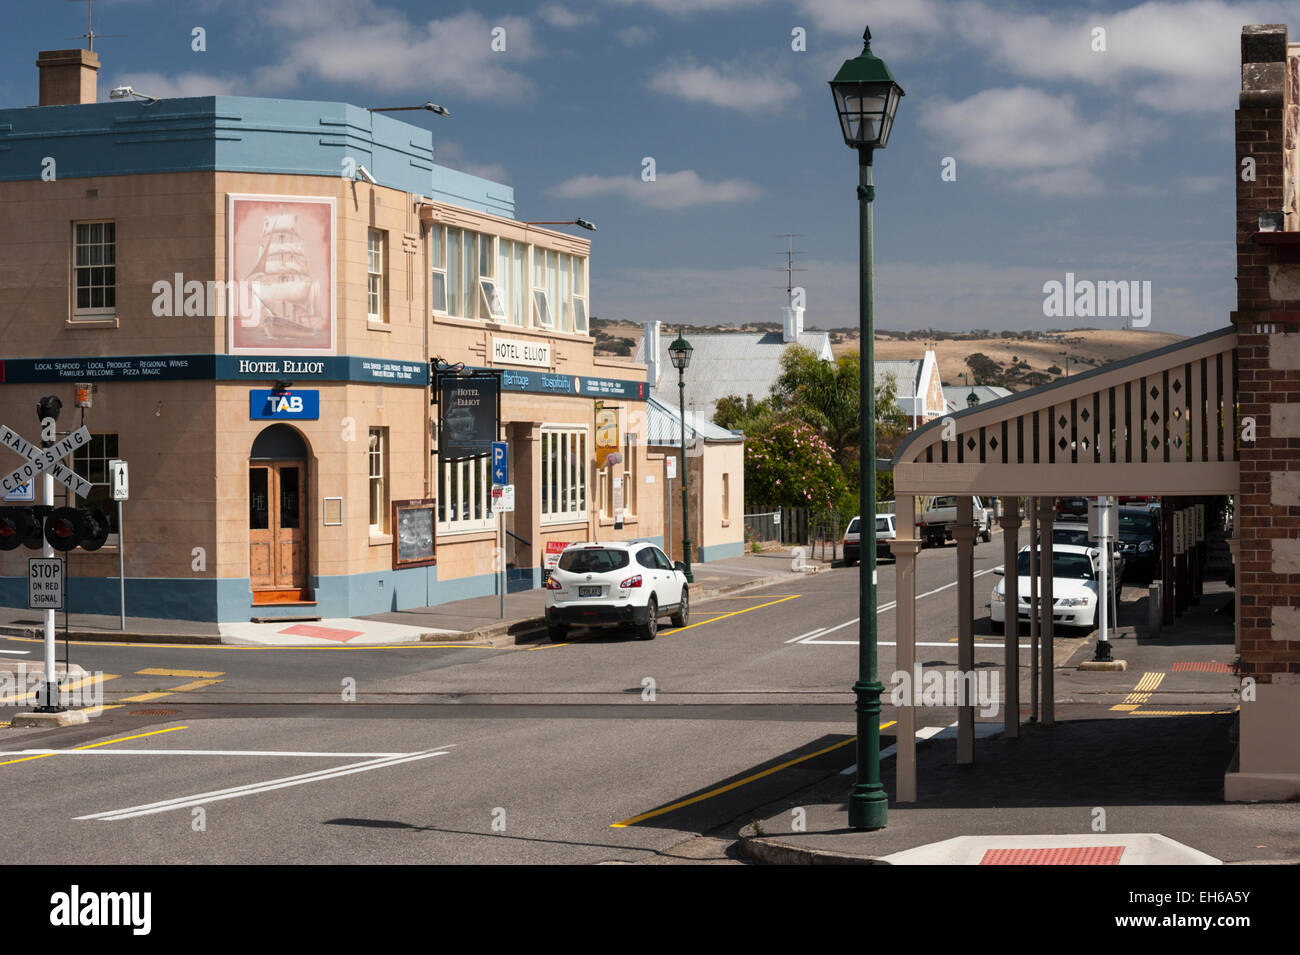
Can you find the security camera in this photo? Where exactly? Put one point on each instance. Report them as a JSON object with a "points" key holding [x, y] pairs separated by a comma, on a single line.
{"points": [[364, 173]]}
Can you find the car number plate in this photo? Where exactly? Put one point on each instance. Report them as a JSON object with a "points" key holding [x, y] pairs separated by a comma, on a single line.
{"points": [[589, 591]]}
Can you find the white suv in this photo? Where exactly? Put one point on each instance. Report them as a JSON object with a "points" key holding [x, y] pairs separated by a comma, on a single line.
{"points": [[620, 583]]}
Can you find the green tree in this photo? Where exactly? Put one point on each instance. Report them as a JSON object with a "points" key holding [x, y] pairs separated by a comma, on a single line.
{"points": [[791, 465]]}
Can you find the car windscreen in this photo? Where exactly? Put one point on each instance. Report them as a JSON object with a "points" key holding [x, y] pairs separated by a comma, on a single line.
{"points": [[1137, 525], [594, 561], [853, 526], [1064, 566], [882, 525], [939, 502], [1070, 535]]}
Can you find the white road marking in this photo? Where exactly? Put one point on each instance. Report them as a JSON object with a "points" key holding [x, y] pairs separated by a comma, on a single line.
{"points": [[185, 802], [927, 732], [813, 635], [21, 653], [187, 752], [920, 643]]}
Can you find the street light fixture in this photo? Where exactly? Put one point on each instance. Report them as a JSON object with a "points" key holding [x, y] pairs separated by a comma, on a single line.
{"points": [[585, 223], [680, 353], [866, 99], [431, 107]]}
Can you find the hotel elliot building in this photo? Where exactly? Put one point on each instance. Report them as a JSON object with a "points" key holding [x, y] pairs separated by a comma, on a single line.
{"points": [[254, 297]]}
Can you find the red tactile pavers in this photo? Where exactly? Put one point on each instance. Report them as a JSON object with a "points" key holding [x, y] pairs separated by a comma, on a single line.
{"points": [[1083, 855], [325, 633]]}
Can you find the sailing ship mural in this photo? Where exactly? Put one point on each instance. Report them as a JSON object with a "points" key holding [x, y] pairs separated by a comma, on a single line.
{"points": [[281, 259]]}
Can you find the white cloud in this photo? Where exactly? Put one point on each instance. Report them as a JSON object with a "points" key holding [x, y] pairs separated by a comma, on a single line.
{"points": [[884, 16], [635, 36], [1188, 52], [690, 7], [1017, 129], [728, 85], [376, 48], [452, 154], [179, 84], [673, 190], [562, 17]]}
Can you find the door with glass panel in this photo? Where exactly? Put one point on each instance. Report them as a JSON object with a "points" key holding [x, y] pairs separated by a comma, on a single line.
{"points": [[277, 536]]}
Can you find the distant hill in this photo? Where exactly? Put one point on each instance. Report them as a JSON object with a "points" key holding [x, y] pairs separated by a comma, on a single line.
{"points": [[1017, 360]]}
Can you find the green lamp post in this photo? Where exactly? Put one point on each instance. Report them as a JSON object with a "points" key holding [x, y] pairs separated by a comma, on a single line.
{"points": [[680, 353], [866, 98]]}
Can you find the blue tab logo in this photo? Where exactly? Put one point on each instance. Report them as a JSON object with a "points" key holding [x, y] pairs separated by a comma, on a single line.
{"points": [[279, 405]]}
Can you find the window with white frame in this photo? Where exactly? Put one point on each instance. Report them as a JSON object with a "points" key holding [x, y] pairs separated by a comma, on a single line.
{"points": [[375, 304], [627, 471], [510, 280], [543, 314], [90, 461], [378, 481], [465, 495], [580, 294], [464, 275], [564, 474], [94, 267]]}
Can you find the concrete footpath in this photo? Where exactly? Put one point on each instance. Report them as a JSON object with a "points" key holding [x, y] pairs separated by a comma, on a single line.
{"points": [[1125, 780], [476, 621]]}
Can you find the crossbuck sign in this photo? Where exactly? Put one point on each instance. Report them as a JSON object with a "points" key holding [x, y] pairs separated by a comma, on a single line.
{"points": [[41, 460]]}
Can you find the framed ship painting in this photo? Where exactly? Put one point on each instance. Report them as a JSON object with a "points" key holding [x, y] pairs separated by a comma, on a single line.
{"points": [[280, 296]]}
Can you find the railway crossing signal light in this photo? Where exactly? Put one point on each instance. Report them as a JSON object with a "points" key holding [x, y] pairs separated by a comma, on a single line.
{"points": [[65, 528], [70, 527]]}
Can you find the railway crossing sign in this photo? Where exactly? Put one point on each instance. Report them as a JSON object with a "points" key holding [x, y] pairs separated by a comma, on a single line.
{"points": [[45, 460]]}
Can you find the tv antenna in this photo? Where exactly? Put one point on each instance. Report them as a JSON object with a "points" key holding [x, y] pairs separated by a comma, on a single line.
{"points": [[90, 33], [790, 252]]}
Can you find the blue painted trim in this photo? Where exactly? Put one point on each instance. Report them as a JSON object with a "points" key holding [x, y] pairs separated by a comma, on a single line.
{"points": [[721, 551], [236, 134]]}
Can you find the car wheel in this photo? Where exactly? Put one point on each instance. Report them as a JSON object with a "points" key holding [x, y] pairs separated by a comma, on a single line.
{"points": [[997, 626], [850, 561], [648, 630], [987, 535], [557, 633], [683, 615]]}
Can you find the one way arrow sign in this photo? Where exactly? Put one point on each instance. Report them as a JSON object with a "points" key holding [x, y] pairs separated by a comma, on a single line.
{"points": [[40, 460]]}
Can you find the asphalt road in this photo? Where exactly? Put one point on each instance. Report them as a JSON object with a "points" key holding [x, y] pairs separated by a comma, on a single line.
{"points": [[603, 749]]}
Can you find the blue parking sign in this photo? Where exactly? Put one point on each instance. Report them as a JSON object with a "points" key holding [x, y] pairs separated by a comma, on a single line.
{"points": [[500, 462]]}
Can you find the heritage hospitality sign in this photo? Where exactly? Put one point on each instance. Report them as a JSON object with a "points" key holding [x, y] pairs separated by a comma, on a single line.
{"points": [[467, 416]]}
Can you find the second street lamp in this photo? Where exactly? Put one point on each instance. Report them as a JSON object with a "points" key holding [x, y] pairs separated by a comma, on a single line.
{"points": [[680, 353], [866, 98]]}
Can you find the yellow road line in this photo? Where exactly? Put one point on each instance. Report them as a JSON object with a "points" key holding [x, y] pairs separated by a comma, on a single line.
{"points": [[747, 597], [159, 671], [1138, 712], [30, 695], [1141, 693], [738, 783], [184, 688], [732, 614], [234, 646], [107, 742]]}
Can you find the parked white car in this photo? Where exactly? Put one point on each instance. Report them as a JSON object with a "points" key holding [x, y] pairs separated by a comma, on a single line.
{"points": [[616, 584], [885, 532], [940, 515], [1074, 587]]}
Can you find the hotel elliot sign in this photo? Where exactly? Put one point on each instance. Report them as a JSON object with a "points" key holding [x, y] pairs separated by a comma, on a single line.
{"points": [[514, 351]]}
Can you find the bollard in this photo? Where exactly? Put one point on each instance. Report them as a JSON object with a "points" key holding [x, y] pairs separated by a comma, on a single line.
{"points": [[1153, 609]]}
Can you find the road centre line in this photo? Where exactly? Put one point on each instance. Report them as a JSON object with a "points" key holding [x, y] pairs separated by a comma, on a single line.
{"points": [[191, 752], [738, 783], [107, 742], [251, 789], [29, 696], [419, 645]]}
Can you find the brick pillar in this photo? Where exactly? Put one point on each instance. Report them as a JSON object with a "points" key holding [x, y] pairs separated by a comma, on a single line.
{"points": [[1268, 392]]}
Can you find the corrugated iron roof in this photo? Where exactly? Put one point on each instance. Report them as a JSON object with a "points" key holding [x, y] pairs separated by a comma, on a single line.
{"points": [[664, 426]]}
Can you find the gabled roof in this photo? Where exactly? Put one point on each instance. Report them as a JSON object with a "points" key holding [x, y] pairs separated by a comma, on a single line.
{"points": [[663, 427], [729, 364]]}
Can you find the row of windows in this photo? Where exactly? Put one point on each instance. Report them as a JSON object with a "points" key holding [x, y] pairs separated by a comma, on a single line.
{"points": [[480, 276], [474, 275]]}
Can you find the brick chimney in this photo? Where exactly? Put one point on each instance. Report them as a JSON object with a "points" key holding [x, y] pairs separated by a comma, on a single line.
{"points": [[68, 77], [1267, 541]]}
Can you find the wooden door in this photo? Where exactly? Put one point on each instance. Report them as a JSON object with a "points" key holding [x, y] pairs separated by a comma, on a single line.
{"points": [[277, 526]]}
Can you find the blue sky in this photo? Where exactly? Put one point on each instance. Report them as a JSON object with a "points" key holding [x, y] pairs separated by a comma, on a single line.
{"points": [[1113, 164]]}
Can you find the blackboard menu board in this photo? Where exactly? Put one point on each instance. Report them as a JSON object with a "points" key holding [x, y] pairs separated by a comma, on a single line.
{"points": [[413, 533]]}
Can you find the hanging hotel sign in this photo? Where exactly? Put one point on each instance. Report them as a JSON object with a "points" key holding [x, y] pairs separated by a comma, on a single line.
{"points": [[299, 404], [514, 351], [467, 416]]}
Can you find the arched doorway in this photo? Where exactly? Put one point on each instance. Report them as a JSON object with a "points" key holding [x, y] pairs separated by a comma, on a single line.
{"points": [[277, 516]]}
